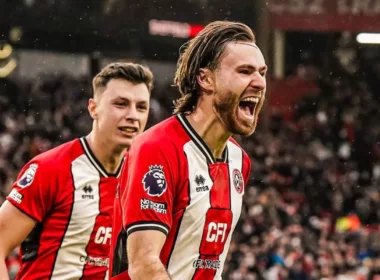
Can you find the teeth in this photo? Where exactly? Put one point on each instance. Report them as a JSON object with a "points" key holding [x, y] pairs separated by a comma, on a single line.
{"points": [[251, 99], [128, 129]]}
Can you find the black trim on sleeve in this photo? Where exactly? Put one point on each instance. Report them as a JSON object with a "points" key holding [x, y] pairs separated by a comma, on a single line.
{"points": [[147, 225]]}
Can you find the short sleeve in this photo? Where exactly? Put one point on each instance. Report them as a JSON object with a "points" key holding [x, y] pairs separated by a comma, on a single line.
{"points": [[30, 193], [149, 188]]}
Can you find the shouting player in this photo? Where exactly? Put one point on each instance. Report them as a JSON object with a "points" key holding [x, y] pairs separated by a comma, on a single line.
{"points": [[181, 189], [61, 206]]}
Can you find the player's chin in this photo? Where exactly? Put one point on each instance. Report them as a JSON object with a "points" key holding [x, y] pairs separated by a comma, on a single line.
{"points": [[123, 141], [244, 128], [244, 131], [125, 144]]}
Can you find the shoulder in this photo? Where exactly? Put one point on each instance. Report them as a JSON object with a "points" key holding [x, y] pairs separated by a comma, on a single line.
{"points": [[54, 159], [166, 136], [239, 157], [46, 166], [159, 147], [234, 145]]}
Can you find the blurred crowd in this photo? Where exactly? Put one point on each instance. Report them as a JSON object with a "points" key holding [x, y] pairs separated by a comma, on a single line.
{"points": [[36, 116], [311, 207]]}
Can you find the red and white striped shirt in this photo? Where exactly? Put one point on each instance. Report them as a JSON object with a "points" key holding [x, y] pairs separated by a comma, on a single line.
{"points": [[70, 195], [172, 183]]}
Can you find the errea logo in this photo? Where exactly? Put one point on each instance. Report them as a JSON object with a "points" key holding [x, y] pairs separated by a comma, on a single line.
{"points": [[87, 192], [200, 181]]}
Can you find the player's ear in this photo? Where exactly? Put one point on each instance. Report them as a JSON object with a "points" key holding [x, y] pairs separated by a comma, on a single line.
{"points": [[92, 108], [205, 80]]}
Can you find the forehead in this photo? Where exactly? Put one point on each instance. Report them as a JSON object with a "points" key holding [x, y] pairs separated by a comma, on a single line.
{"points": [[240, 53], [125, 89]]}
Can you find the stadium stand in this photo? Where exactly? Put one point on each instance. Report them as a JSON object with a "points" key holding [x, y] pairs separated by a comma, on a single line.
{"points": [[311, 206]]}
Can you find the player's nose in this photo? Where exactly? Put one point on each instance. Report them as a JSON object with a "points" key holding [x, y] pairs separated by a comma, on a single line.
{"points": [[258, 82], [131, 113]]}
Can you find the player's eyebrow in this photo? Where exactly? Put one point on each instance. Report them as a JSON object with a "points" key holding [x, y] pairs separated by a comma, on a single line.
{"points": [[251, 67], [127, 100], [120, 98], [249, 44]]}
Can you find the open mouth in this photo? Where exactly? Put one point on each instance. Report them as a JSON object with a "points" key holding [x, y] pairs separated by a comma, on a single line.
{"points": [[128, 129], [248, 105]]}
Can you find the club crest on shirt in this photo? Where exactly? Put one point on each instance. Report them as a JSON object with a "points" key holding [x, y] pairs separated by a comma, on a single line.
{"points": [[28, 176], [238, 181], [154, 181]]}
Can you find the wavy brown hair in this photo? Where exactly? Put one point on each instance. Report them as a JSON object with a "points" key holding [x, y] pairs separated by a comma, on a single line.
{"points": [[205, 51]]}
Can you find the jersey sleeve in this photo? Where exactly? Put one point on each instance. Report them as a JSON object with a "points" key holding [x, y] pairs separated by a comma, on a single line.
{"points": [[31, 193], [149, 188]]}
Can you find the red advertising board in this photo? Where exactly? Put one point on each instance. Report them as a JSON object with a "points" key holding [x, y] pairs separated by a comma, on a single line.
{"points": [[325, 15]]}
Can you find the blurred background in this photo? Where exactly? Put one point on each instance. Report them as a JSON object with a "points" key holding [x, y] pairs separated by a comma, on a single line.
{"points": [[312, 205]]}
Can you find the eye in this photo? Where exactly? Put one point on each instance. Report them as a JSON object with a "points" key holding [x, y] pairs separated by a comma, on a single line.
{"points": [[120, 104], [244, 71], [142, 107], [263, 73]]}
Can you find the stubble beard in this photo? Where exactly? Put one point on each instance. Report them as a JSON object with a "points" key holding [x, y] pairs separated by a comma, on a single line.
{"points": [[225, 106]]}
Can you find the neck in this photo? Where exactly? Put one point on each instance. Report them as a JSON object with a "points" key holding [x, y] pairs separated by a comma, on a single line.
{"points": [[208, 126], [108, 155]]}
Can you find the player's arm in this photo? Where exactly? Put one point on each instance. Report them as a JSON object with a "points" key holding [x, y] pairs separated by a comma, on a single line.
{"points": [[27, 204], [14, 228], [147, 202], [143, 249]]}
